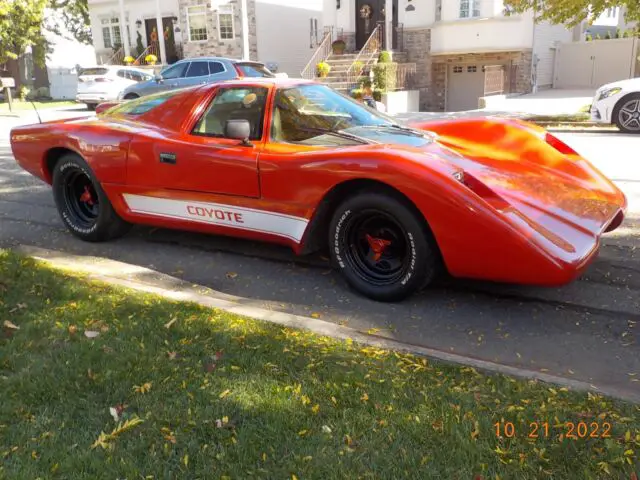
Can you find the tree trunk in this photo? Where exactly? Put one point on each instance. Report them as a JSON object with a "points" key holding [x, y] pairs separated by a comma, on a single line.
{"points": [[40, 72], [14, 71]]}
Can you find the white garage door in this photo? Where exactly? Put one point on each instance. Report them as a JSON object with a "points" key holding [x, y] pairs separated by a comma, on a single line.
{"points": [[465, 85], [63, 83]]}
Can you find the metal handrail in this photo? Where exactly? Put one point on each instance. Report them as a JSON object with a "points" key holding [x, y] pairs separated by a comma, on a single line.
{"points": [[152, 49], [370, 49], [117, 57], [322, 53]]}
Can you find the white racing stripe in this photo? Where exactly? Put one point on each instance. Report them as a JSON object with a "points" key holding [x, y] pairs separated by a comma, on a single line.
{"points": [[220, 214]]}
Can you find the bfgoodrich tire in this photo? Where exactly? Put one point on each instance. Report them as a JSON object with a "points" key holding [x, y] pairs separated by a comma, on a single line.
{"points": [[382, 247], [82, 203]]}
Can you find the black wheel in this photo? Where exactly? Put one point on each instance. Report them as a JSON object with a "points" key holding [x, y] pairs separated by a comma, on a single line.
{"points": [[626, 115], [131, 96], [91, 106], [83, 204], [384, 250]]}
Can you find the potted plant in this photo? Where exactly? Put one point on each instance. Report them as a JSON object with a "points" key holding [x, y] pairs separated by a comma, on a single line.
{"points": [[323, 69], [338, 46], [128, 60], [151, 59]]}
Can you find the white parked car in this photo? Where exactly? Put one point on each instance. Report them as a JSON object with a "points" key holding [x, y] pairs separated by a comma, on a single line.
{"points": [[104, 83], [618, 103]]}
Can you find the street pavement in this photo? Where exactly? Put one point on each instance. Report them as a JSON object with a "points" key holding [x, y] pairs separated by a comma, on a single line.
{"points": [[585, 331]]}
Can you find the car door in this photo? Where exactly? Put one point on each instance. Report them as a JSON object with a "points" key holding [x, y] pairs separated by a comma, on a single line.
{"points": [[170, 78], [203, 160], [197, 73]]}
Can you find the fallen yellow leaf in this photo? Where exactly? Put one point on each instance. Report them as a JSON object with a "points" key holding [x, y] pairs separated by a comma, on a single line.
{"points": [[224, 394], [10, 325]]}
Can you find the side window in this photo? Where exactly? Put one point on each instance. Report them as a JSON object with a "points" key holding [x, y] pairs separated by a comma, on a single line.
{"points": [[234, 103], [215, 67], [198, 69], [135, 76], [122, 74], [176, 71]]}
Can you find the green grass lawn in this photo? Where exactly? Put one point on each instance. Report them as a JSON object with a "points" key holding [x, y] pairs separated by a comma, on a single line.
{"points": [[199, 393], [19, 106]]}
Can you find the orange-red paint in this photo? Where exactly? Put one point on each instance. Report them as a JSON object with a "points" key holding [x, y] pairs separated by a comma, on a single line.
{"points": [[528, 210]]}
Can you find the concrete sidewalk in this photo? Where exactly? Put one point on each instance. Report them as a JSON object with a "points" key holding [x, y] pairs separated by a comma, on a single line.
{"points": [[544, 102]]}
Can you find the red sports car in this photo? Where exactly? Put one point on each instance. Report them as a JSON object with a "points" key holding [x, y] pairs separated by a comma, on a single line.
{"points": [[295, 162]]}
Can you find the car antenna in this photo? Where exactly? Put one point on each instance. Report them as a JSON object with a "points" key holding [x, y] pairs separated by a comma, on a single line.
{"points": [[34, 107]]}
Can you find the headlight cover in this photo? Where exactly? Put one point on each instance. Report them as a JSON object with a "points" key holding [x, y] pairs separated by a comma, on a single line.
{"points": [[609, 92]]}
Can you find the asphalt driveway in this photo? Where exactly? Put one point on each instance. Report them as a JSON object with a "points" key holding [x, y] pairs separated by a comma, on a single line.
{"points": [[586, 331]]}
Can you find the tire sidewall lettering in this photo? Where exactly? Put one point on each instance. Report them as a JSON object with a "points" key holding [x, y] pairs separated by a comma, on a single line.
{"points": [[337, 244]]}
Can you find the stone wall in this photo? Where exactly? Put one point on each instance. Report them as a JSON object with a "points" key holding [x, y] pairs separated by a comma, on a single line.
{"points": [[417, 45], [521, 60], [213, 46]]}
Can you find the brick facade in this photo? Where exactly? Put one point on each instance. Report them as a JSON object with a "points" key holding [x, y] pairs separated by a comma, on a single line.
{"points": [[214, 46]]}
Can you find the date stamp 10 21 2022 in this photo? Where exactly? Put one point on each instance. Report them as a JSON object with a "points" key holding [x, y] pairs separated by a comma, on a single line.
{"points": [[544, 429]]}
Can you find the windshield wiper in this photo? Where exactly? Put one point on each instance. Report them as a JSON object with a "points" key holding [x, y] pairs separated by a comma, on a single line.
{"points": [[336, 133], [417, 133]]}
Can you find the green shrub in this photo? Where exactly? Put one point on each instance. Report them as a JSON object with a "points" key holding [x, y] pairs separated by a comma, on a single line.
{"points": [[384, 76], [384, 57], [377, 95]]}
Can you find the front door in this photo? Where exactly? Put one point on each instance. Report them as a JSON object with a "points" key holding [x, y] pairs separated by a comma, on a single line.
{"points": [[150, 26], [370, 13]]}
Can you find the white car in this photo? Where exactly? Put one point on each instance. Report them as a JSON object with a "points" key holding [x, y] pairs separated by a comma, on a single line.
{"points": [[618, 103], [104, 83]]}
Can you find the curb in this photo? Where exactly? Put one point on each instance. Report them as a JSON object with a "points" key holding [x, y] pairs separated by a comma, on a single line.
{"points": [[149, 281]]}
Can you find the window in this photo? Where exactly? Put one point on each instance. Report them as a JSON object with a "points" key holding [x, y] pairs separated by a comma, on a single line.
{"points": [[234, 103], [457, 69], [216, 67], [198, 69], [225, 22], [197, 23], [144, 104], [254, 70], [612, 12], [469, 8], [175, 71], [111, 32], [472, 69]]}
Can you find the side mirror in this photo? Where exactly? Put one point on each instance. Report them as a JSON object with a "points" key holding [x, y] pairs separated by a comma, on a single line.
{"points": [[158, 78], [239, 129]]}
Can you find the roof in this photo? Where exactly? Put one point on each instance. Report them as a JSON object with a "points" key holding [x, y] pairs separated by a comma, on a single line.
{"points": [[266, 81], [226, 59]]}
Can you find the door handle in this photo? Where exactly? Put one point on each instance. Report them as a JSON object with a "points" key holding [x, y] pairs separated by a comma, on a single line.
{"points": [[166, 157]]}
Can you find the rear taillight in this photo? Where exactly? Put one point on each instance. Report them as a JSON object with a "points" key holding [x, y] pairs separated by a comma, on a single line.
{"points": [[559, 145], [103, 79]]}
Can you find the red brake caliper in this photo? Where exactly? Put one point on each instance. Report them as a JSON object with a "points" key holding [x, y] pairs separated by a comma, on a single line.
{"points": [[86, 196], [377, 245]]}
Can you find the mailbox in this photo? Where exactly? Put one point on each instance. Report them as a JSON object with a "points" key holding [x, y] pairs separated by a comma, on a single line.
{"points": [[7, 82]]}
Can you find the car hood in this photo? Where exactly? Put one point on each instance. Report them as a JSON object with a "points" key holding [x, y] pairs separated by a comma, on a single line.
{"points": [[628, 84]]}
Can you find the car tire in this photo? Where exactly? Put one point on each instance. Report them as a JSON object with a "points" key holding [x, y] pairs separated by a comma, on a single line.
{"points": [[131, 96], [92, 106], [626, 114], [82, 204], [383, 248]]}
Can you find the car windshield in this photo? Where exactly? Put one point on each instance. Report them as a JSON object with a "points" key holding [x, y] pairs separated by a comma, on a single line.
{"points": [[318, 115]]}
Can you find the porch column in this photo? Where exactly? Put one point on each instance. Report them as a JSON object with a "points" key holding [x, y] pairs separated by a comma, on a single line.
{"points": [[246, 53], [160, 30], [123, 30], [388, 24]]}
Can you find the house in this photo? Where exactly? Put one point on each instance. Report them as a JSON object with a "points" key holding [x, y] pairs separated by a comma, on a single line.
{"points": [[610, 23], [463, 49], [193, 28]]}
